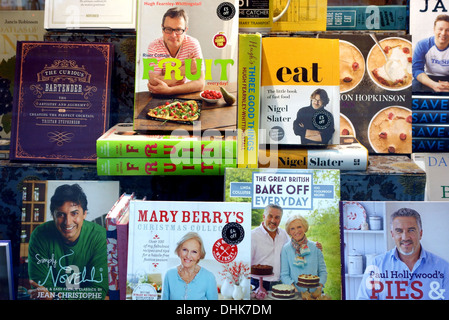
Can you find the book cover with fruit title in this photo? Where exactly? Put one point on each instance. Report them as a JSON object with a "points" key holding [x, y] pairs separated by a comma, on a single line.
{"points": [[300, 96], [180, 58]]}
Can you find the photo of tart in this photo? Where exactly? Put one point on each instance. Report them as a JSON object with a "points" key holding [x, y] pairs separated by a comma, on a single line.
{"points": [[346, 127], [390, 130], [352, 66], [396, 72], [178, 111]]}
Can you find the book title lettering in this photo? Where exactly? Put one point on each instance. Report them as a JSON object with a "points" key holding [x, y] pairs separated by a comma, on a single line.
{"points": [[299, 74], [173, 65], [194, 216], [434, 7]]}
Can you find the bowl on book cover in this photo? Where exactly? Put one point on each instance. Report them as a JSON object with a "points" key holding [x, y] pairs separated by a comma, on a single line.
{"points": [[352, 66], [211, 96], [390, 130], [346, 126], [395, 73]]}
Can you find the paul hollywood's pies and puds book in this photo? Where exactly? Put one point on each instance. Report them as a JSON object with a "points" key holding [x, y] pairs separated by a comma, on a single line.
{"points": [[206, 60], [300, 97], [61, 100], [375, 96], [386, 267], [212, 238]]}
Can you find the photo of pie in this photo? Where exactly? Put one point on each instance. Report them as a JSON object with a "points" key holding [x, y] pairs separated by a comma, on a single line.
{"points": [[182, 111], [352, 66], [346, 127], [390, 130], [396, 72]]}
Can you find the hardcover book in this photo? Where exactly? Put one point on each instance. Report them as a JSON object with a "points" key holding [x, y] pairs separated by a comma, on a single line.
{"points": [[166, 239], [383, 17], [121, 141], [250, 60], [374, 253], [387, 178], [301, 15], [435, 164], [182, 61], [311, 194], [421, 144], [119, 209], [300, 99], [63, 242], [348, 155], [61, 100], [424, 130], [430, 74], [163, 166], [20, 25], [375, 95], [430, 117]]}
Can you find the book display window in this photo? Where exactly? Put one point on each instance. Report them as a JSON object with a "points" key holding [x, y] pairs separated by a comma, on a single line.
{"points": [[148, 153]]}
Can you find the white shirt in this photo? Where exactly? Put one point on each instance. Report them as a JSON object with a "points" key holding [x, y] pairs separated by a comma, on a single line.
{"points": [[265, 250]]}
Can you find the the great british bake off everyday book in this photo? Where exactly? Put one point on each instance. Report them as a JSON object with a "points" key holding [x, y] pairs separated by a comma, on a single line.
{"points": [[306, 195]]}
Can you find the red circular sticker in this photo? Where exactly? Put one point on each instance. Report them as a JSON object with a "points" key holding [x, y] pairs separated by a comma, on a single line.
{"points": [[224, 252], [220, 40]]}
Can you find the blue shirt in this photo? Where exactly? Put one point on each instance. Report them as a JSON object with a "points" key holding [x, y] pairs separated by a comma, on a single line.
{"points": [[202, 287], [314, 264], [429, 59], [429, 279]]}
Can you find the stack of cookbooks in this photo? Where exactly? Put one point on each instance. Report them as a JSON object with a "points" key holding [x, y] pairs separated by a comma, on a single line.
{"points": [[123, 151]]}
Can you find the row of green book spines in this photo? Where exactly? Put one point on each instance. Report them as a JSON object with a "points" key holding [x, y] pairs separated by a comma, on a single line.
{"points": [[163, 166], [226, 149]]}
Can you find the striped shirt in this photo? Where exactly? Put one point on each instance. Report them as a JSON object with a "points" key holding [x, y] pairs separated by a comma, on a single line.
{"points": [[190, 48]]}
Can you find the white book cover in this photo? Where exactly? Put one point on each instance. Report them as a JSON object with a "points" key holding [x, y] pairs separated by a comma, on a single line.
{"points": [[167, 240]]}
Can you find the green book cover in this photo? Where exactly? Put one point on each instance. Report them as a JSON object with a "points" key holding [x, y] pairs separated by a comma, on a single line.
{"points": [[162, 166], [122, 142]]}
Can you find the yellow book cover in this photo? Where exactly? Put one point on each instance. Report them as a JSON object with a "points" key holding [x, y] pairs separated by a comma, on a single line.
{"points": [[301, 15], [300, 91]]}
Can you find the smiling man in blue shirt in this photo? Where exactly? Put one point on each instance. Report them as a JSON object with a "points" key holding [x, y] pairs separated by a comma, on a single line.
{"points": [[408, 271]]}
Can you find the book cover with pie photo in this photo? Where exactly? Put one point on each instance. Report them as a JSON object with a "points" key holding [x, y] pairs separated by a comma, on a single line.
{"points": [[376, 89]]}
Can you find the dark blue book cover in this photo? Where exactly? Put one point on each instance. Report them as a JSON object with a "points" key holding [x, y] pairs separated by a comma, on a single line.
{"points": [[430, 117], [61, 100], [430, 103], [430, 145], [422, 130]]}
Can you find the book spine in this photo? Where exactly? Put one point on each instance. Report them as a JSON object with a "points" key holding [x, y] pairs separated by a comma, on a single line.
{"points": [[430, 117], [385, 17], [162, 166], [223, 149], [122, 257], [430, 145], [430, 130], [250, 46], [430, 103], [350, 159]]}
